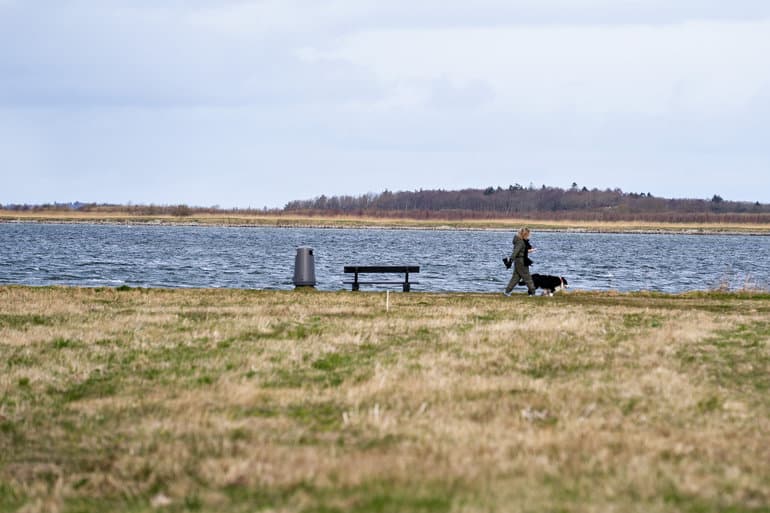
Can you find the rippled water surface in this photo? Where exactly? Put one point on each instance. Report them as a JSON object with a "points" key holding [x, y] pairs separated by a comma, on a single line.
{"points": [[263, 258]]}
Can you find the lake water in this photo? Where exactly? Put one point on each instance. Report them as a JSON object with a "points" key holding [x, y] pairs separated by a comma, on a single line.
{"points": [[263, 258]]}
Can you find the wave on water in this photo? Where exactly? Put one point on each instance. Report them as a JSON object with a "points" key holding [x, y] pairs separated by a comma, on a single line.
{"points": [[449, 260]]}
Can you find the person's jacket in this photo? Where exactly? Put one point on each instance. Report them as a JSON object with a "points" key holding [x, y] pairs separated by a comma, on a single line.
{"points": [[521, 250]]}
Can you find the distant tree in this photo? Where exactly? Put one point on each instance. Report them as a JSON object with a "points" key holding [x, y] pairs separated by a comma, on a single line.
{"points": [[488, 191], [717, 199], [181, 211]]}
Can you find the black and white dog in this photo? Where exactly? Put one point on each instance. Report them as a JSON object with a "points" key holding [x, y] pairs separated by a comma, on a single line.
{"points": [[548, 283]]}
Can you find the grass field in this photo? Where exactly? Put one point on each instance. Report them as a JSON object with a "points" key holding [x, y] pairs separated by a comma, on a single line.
{"points": [[320, 402], [378, 222]]}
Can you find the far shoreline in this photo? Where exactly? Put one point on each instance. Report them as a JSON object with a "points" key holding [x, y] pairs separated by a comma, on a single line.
{"points": [[371, 223]]}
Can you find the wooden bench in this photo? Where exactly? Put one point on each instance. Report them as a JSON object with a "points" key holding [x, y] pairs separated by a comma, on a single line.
{"points": [[360, 269]]}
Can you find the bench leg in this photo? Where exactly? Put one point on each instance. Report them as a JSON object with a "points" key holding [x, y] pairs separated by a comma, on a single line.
{"points": [[354, 286], [407, 288]]}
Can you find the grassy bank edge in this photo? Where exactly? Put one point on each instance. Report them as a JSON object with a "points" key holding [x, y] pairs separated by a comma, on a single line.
{"points": [[288, 221]]}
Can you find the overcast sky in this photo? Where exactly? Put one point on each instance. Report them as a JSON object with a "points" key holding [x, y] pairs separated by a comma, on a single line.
{"points": [[255, 103]]}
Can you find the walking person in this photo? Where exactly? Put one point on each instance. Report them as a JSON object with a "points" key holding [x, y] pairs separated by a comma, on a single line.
{"points": [[521, 262]]}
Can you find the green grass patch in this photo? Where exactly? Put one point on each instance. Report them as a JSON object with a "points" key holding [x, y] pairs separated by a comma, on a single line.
{"points": [[10, 499], [737, 358], [22, 357], [382, 497], [333, 362], [24, 321], [330, 370], [542, 366], [97, 385], [368, 497], [689, 503], [260, 410], [11, 433], [323, 416], [281, 330], [641, 320], [709, 404], [197, 316], [65, 343]]}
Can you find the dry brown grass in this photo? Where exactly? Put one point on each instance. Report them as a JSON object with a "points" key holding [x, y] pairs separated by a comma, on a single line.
{"points": [[378, 222], [208, 400]]}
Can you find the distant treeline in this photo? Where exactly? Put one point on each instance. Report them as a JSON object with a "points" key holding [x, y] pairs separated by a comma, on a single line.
{"points": [[547, 203], [138, 210], [544, 203]]}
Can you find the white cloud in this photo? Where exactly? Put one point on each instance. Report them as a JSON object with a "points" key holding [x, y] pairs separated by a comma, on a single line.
{"points": [[314, 16], [695, 67], [239, 52]]}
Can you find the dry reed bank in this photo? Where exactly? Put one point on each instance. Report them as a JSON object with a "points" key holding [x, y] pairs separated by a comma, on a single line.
{"points": [[292, 220], [226, 400]]}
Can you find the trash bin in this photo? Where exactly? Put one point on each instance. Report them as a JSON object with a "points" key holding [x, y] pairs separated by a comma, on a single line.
{"points": [[304, 268]]}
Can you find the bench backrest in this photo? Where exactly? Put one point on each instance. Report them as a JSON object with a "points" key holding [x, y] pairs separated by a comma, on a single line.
{"points": [[382, 268]]}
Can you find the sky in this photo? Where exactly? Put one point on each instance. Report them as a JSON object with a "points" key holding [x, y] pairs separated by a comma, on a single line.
{"points": [[254, 103]]}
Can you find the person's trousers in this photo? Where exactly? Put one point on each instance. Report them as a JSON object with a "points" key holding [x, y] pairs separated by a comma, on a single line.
{"points": [[520, 272]]}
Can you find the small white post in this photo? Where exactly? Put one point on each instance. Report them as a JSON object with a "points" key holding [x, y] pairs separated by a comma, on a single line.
{"points": [[387, 301]]}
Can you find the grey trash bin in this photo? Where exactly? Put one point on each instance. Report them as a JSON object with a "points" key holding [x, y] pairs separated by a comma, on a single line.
{"points": [[304, 268]]}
